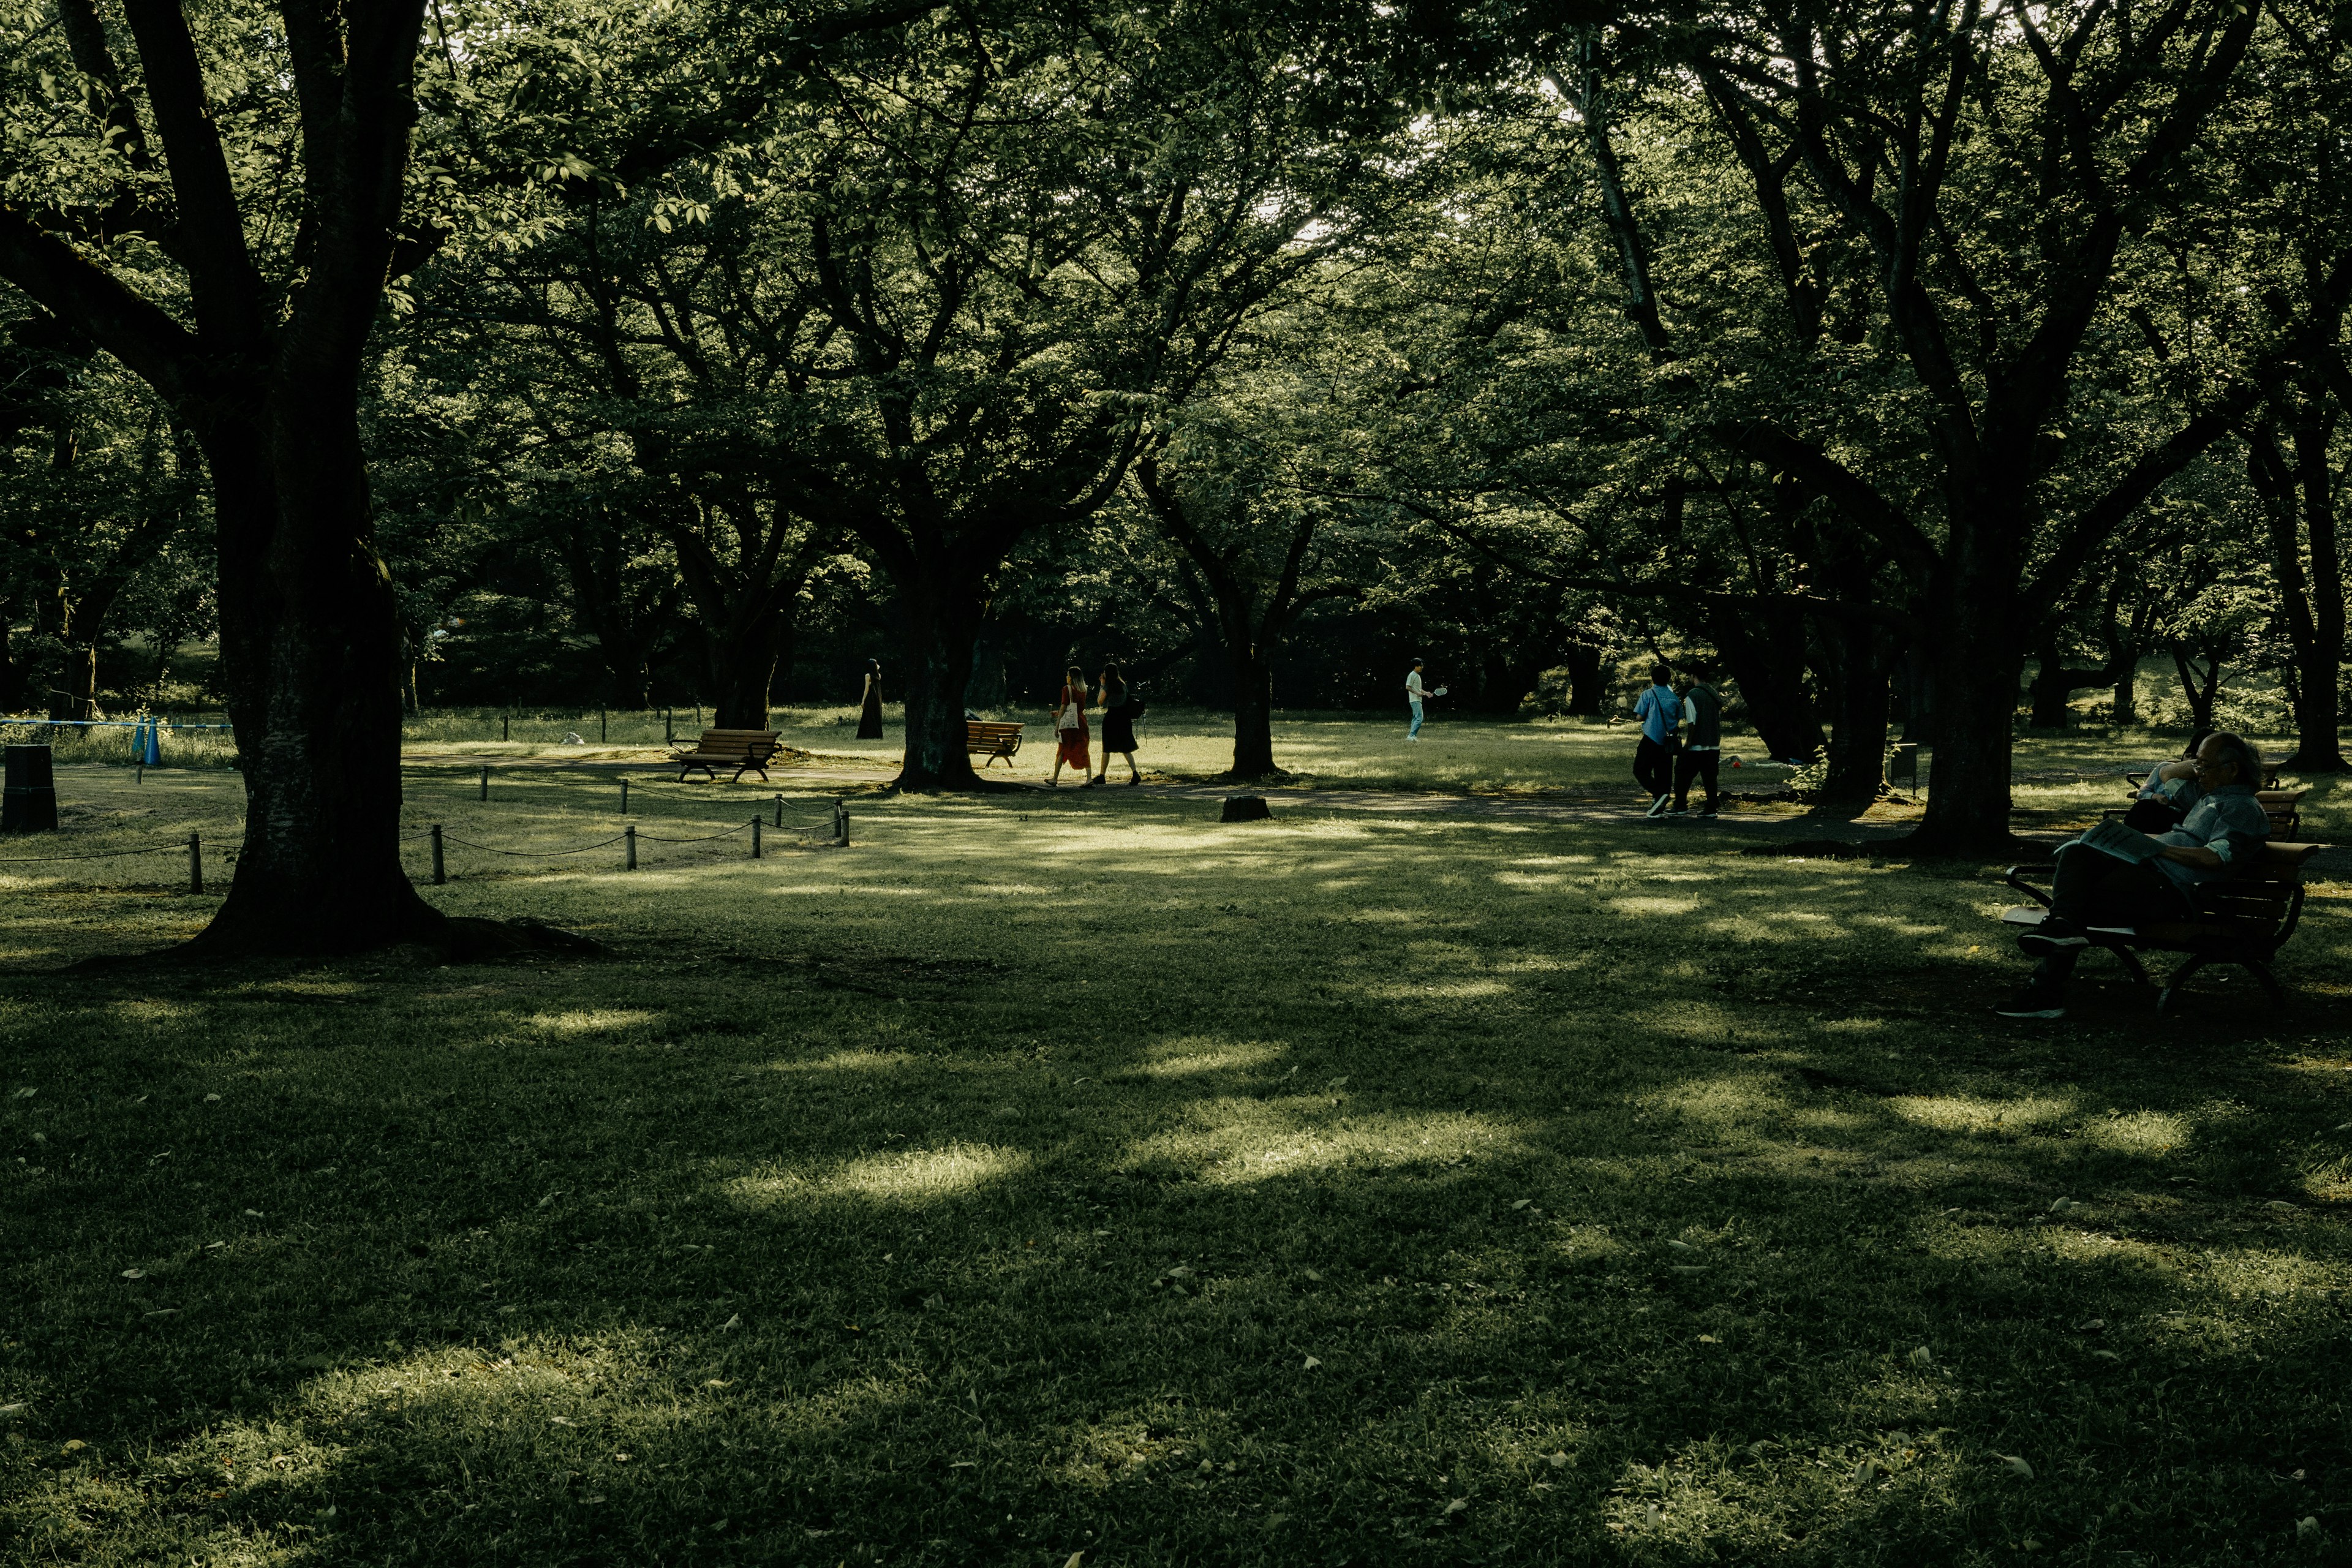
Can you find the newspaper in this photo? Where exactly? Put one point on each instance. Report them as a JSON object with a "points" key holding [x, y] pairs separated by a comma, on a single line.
{"points": [[2123, 842]]}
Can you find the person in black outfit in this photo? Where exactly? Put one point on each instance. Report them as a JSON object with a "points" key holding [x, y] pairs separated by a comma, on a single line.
{"points": [[1120, 712], [869, 716], [1701, 757]]}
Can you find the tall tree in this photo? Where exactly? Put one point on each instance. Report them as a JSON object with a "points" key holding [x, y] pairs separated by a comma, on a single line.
{"points": [[1018, 237], [163, 232]]}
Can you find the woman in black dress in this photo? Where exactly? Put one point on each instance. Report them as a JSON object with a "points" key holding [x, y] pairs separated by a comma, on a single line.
{"points": [[1118, 716], [869, 717]]}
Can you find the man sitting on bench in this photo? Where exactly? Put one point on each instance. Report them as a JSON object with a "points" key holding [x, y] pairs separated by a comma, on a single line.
{"points": [[2100, 887]]}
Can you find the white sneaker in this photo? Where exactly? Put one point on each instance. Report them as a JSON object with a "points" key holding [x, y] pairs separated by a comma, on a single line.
{"points": [[1658, 805]]}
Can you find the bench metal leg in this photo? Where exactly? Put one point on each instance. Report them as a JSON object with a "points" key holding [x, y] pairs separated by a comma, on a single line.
{"points": [[2180, 978], [2131, 962], [2270, 981]]}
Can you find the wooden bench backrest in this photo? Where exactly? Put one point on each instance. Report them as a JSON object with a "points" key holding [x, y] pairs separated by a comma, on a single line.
{"points": [[990, 729], [2256, 901], [739, 742]]}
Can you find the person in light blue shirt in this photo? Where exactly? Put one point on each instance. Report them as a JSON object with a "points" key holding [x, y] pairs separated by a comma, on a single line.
{"points": [[1661, 713], [1413, 696], [2225, 830]]}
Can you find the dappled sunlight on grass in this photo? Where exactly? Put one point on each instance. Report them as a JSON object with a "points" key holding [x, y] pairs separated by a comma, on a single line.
{"points": [[2143, 1133], [593, 1021], [909, 1177], [1233, 1141], [1193, 1055], [1981, 1118]]}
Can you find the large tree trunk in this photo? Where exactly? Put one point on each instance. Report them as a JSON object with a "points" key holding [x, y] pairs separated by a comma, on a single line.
{"points": [[1764, 653], [1858, 688], [1251, 659], [2314, 596], [11, 675], [77, 698], [2051, 691], [1974, 669], [943, 616], [311, 657], [1253, 719], [1587, 682], [742, 660], [1915, 695]]}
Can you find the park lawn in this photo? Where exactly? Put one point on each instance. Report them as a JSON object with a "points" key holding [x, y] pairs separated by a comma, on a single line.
{"points": [[1348, 750], [1056, 1174], [2061, 779]]}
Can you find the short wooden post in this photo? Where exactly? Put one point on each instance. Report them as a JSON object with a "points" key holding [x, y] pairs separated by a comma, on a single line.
{"points": [[779, 809], [755, 838], [629, 838], [141, 777], [841, 823], [485, 783], [670, 737], [625, 797], [600, 726], [195, 863], [502, 726], [439, 874]]}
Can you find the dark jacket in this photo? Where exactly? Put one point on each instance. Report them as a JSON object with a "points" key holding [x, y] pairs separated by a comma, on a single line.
{"points": [[1704, 732]]}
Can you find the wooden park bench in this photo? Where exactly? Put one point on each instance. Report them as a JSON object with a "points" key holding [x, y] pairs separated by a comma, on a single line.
{"points": [[2242, 920], [983, 739], [745, 750]]}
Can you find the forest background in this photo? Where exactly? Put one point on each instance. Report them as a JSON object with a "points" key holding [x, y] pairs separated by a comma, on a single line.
{"points": [[1927, 368]]}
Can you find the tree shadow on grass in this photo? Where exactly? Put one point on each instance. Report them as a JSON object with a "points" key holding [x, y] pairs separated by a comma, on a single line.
{"points": [[924, 1256]]}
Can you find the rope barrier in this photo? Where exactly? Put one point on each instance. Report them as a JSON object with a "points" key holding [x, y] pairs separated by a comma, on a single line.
{"points": [[99, 855], [547, 853], [6, 723], [651, 838]]}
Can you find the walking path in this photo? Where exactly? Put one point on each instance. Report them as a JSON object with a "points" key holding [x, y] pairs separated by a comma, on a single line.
{"points": [[1788, 824]]}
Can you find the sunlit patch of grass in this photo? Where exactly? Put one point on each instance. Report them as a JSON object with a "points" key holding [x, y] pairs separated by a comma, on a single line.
{"points": [[593, 1021], [909, 1176], [1981, 1117], [2143, 1132], [1192, 1055], [1235, 1141]]}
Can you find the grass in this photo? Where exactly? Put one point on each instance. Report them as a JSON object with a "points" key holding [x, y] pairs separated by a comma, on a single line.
{"points": [[188, 745], [1058, 1175]]}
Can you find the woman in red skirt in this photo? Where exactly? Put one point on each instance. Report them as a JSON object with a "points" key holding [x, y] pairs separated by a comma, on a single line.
{"points": [[1070, 726]]}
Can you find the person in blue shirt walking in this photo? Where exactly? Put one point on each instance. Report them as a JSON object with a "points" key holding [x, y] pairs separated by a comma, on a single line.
{"points": [[1661, 713], [2226, 829]]}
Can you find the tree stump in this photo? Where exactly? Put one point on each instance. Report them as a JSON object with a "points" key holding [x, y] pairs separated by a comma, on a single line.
{"points": [[1246, 808]]}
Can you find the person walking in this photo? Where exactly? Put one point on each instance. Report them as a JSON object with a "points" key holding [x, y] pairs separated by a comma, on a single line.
{"points": [[1701, 756], [1412, 697], [1653, 755], [1070, 726], [869, 712], [1120, 712]]}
